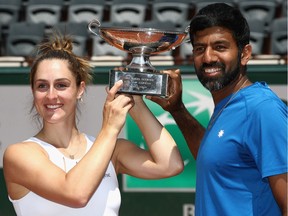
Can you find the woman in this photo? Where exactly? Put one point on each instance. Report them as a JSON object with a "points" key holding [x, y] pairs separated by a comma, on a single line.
{"points": [[62, 171]]}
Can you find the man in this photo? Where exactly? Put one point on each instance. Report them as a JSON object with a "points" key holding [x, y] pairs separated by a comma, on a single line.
{"points": [[241, 157]]}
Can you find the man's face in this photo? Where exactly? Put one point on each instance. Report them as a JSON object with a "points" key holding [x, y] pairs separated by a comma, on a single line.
{"points": [[216, 57]]}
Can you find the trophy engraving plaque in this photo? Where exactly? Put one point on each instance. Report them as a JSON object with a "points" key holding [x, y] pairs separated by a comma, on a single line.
{"points": [[139, 77]]}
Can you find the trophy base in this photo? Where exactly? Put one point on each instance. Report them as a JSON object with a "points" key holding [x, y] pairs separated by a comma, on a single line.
{"points": [[141, 83]]}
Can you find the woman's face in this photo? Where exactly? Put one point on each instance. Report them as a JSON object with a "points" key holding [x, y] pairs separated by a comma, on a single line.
{"points": [[55, 91], [216, 57]]}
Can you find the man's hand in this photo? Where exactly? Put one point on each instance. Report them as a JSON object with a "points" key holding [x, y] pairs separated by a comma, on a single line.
{"points": [[174, 100]]}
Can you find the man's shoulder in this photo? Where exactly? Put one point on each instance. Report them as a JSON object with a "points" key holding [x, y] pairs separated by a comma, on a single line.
{"points": [[259, 97]]}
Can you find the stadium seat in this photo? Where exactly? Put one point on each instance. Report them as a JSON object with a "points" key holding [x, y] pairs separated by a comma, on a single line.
{"points": [[43, 11], [1, 42], [185, 49], [9, 11], [23, 37], [132, 11], [170, 10], [157, 24], [257, 35], [199, 4], [258, 9], [79, 33], [85, 10], [284, 8], [279, 36]]}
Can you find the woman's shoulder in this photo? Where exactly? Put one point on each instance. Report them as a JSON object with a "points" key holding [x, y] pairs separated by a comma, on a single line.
{"points": [[26, 147], [21, 145]]}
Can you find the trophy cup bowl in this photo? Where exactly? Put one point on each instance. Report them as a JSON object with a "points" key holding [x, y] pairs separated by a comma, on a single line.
{"points": [[140, 76]]}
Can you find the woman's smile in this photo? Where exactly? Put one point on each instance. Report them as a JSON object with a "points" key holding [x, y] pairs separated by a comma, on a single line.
{"points": [[53, 106]]}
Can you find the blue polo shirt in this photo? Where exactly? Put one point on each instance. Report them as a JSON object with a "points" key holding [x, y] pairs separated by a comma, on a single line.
{"points": [[246, 144]]}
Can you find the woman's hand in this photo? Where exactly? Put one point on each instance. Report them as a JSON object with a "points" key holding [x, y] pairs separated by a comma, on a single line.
{"points": [[116, 107]]}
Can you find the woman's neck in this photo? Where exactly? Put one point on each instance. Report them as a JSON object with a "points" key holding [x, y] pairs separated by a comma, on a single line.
{"points": [[59, 135]]}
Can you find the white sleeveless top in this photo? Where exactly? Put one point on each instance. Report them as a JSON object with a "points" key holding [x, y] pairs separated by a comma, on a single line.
{"points": [[105, 201]]}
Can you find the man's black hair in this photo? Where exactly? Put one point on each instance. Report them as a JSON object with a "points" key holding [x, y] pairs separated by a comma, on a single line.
{"points": [[223, 15]]}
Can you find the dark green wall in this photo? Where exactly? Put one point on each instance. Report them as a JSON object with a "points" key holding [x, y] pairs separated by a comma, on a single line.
{"points": [[6, 209]]}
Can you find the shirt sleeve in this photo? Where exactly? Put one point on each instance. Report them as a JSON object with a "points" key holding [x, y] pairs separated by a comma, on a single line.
{"points": [[267, 137]]}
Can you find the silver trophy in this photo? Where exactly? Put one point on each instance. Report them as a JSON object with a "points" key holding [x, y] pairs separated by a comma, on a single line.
{"points": [[139, 77]]}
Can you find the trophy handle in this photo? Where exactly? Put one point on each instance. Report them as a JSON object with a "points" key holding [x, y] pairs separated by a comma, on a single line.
{"points": [[187, 40], [187, 29], [94, 24]]}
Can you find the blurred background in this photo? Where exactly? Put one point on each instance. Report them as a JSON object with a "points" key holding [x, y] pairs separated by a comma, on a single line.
{"points": [[24, 23]]}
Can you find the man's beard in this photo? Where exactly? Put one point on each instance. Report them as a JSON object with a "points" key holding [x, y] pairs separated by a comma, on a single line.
{"points": [[217, 83]]}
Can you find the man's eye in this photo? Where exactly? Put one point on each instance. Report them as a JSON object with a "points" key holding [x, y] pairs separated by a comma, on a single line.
{"points": [[220, 48], [198, 50]]}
